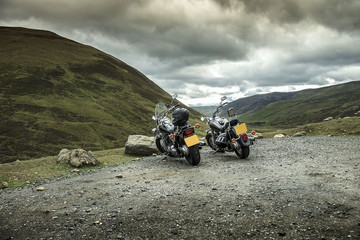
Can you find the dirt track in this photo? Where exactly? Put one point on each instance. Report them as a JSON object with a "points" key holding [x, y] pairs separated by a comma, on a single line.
{"points": [[294, 188]]}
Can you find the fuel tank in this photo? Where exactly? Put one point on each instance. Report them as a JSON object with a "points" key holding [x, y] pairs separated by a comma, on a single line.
{"points": [[166, 126], [219, 124]]}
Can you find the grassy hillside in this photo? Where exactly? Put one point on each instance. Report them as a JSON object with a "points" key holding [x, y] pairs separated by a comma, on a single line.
{"points": [[348, 126], [56, 93], [308, 106]]}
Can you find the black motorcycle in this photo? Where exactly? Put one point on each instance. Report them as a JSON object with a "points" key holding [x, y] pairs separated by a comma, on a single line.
{"points": [[176, 137], [228, 134]]}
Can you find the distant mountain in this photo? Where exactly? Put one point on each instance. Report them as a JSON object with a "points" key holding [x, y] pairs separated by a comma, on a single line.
{"points": [[205, 110], [296, 108], [244, 105], [56, 93], [301, 107], [257, 102]]}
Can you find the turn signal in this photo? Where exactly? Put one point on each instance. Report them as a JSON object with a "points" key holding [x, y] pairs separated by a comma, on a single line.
{"points": [[233, 140], [197, 125], [253, 132], [172, 136]]}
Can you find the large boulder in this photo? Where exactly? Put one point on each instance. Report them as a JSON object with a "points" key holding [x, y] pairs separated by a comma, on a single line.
{"points": [[77, 158], [140, 145]]}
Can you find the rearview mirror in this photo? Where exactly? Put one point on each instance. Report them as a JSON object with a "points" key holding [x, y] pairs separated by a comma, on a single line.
{"points": [[223, 98], [174, 96], [231, 112]]}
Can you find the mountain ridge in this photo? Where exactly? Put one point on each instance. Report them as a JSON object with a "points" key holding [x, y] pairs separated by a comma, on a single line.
{"points": [[56, 93], [299, 107]]}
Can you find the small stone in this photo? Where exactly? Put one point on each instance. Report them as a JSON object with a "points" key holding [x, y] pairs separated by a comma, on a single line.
{"points": [[40, 189], [97, 222], [299, 134], [279, 136], [75, 170], [4, 185], [154, 154], [119, 176]]}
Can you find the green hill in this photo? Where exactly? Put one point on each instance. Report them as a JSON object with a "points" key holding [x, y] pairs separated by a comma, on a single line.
{"points": [[303, 107], [56, 93]]}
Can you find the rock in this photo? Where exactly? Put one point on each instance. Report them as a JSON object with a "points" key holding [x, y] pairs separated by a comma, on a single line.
{"points": [[299, 134], [328, 119], [140, 145], [77, 158], [258, 135], [40, 189], [4, 185], [357, 113], [279, 135], [119, 176]]}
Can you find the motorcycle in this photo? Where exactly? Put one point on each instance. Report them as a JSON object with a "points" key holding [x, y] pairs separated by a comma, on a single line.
{"points": [[228, 134], [176, 137]]}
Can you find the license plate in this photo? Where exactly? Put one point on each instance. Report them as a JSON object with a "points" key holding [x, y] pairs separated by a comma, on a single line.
{"points": [[191, 141], [240, 129]]}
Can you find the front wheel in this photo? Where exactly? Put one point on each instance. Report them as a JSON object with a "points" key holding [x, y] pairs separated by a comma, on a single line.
{"points": [[243, 152], [210, 141], [158, 142], [193, 157]]}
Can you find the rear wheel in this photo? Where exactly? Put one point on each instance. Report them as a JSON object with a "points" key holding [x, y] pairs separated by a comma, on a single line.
{"points": [[243, 152], [193, 157]]}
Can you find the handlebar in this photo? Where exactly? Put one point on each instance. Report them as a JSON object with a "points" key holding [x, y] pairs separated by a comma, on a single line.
{"points": [[173, 107], [219, 107]]}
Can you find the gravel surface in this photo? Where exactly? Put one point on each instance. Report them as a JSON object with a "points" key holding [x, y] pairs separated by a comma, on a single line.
{"points": [[291, 188]]}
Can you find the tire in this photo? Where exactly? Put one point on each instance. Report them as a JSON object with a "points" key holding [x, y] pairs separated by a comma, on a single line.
{"points": [[210, 141], [193, 157], [158, 145], [244, 153]]}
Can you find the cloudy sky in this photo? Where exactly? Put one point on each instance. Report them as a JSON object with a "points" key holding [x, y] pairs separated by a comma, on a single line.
{"points": [[204, 49]]}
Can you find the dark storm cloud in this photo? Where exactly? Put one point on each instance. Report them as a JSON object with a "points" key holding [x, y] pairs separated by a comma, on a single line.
{"points": [[339, 15], [216, 45]]}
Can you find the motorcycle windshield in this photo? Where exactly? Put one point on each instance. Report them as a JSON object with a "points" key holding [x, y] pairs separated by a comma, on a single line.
{"points": [[160, 110], [222, 113]]}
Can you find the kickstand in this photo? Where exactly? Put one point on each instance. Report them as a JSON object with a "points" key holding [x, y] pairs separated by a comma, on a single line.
{"points": [[165, 155], [218, 150]]}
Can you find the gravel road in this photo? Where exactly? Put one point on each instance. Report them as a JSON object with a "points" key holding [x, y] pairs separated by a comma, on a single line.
{"points": [[290, 188]]}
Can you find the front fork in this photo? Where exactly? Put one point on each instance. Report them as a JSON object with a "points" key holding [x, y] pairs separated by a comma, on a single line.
{"points": [[213, 136]]}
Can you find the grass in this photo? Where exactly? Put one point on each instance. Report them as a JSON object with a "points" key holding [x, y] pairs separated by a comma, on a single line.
{"points": [[19, 173], [337, 127]]}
